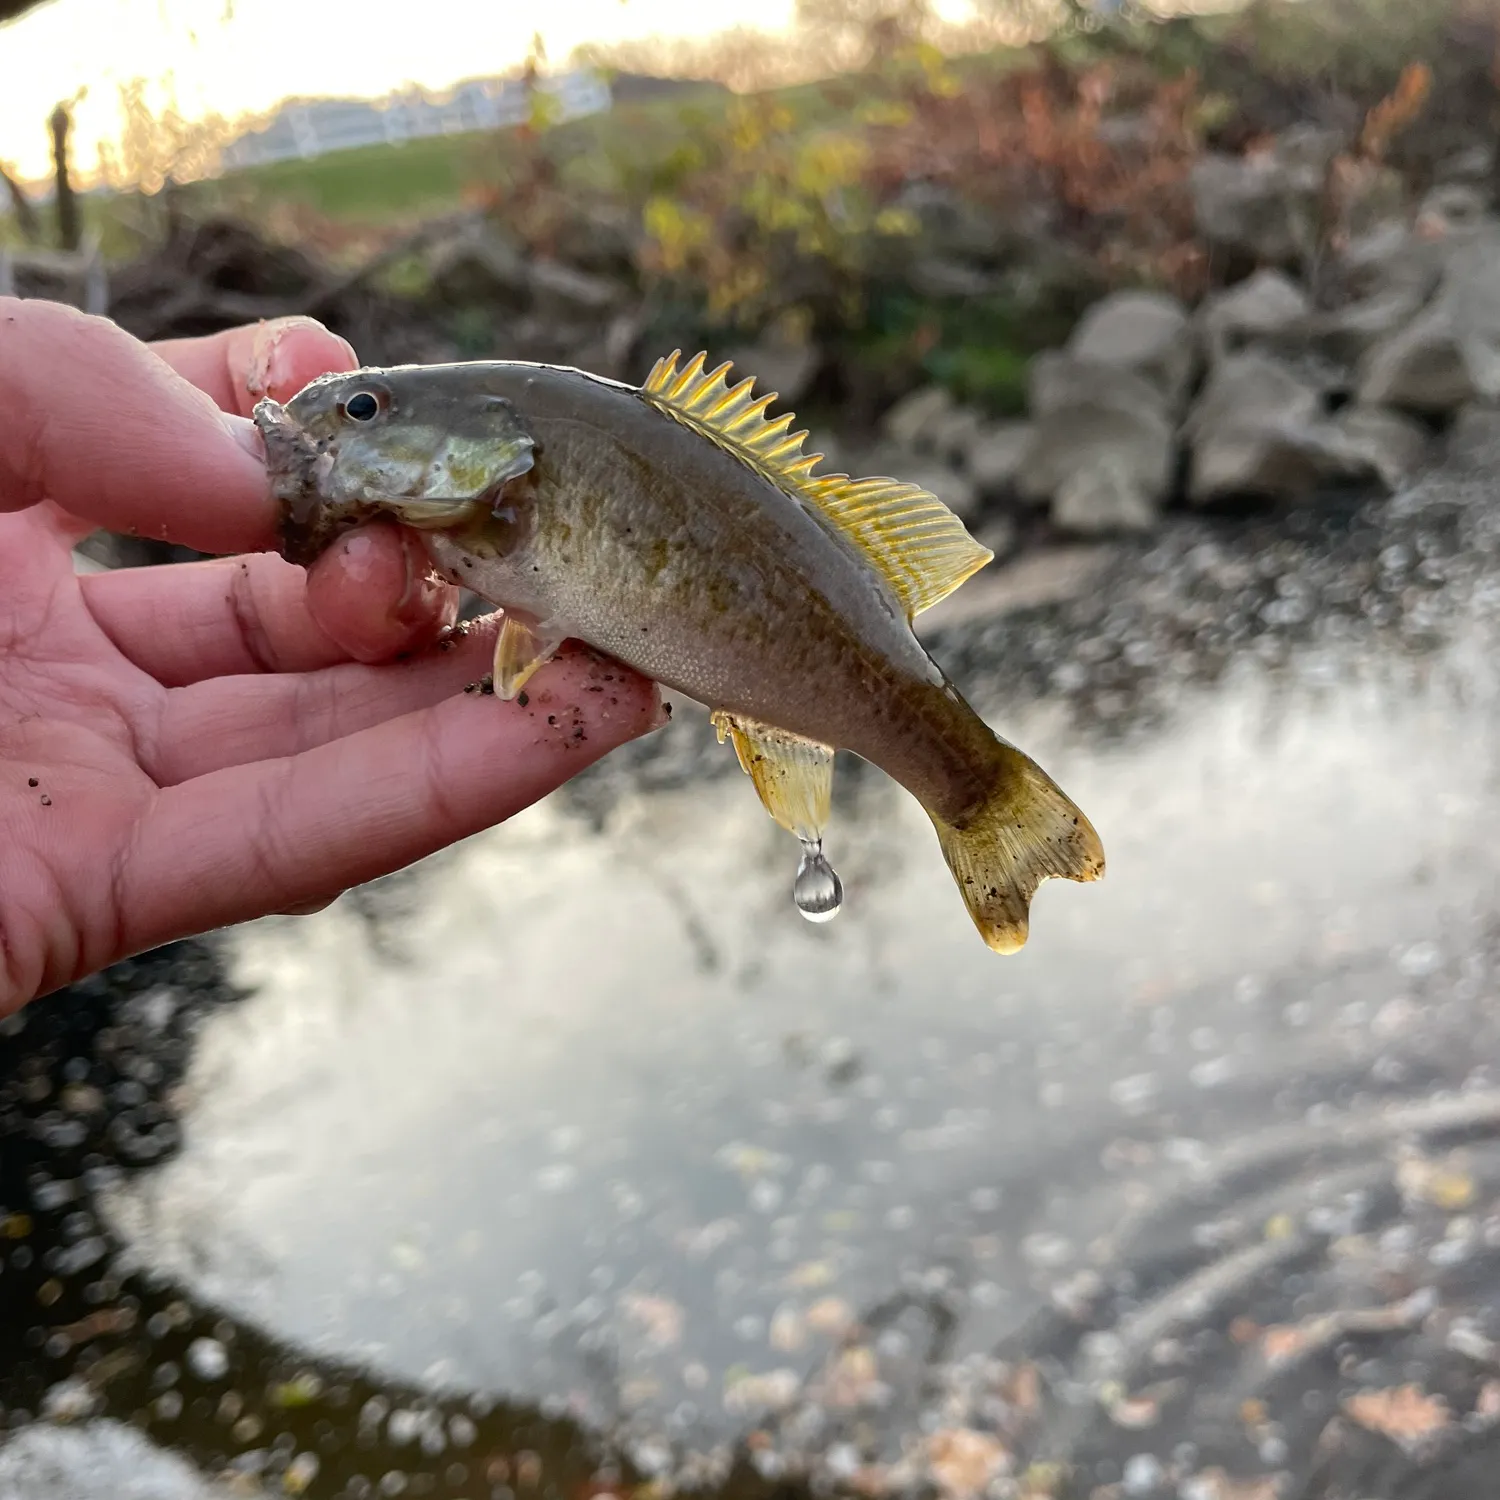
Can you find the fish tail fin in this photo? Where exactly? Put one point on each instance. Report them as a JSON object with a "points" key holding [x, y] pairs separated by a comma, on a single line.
{"points": [[1025, 831]]}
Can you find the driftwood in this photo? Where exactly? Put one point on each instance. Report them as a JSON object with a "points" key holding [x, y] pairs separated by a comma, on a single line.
{"points": [[219, 273]]}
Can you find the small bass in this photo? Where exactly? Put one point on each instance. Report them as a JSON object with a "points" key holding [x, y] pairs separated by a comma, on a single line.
{"points": [[677, 528]]}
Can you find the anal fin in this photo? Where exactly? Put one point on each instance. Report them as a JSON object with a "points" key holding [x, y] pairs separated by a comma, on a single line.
{"points": [[519, 651], [793, 776]]}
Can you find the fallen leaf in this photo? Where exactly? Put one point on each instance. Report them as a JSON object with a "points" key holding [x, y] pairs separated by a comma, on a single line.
{"points": [[1282, 1342], [963, 1461], [1022, 1388], [1405, 1414], [1215, 1484], [852, 1377], [1444, 1185], [830, 1315], [659, 1316]]}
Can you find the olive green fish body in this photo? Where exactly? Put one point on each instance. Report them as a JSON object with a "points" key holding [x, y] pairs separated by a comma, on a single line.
{"points": [[676, 529], [633, 534]]}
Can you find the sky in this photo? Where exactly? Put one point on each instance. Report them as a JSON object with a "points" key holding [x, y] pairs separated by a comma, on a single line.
{"points": [[243, 56]]}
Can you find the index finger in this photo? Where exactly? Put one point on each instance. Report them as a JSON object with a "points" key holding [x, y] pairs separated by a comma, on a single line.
{"points": [[96, 423]]}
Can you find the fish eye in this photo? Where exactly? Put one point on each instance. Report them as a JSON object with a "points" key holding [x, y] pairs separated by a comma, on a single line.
{"points": [[362, 407]]}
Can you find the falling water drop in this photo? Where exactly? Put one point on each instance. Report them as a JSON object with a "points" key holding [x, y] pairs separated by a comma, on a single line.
{"points": [[818, 891]]}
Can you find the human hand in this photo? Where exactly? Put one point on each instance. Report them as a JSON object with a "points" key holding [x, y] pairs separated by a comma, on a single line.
{"points": [[190, 746]]}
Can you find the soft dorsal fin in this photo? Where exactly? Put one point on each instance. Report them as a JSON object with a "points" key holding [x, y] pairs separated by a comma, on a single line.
{"points": [[912, 539]]}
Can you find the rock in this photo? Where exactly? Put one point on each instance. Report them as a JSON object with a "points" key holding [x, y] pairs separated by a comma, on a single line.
{"points": [[1474, 439], [787, 369], [1132, 450], [954, 433], [907, 423], [997, 456], [1101, 445], [1260, 429], [1243, 204], [1380, 442], [1420, 367], [1267, 204], [1247, 431], [1471, 295], [1450, 351], [1147, 333], [1104, 497], [1267, 306], [1450, 207], [1473, 165], [1057, 381]]}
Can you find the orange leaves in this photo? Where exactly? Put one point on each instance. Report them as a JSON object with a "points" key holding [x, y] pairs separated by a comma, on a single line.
{"points": [[1396, 111]]}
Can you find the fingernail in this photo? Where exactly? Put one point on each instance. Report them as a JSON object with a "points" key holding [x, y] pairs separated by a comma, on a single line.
{"points": [[422, 591], [246, 434]]}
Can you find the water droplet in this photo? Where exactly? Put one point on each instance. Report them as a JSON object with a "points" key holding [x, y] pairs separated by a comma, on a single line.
{"points": [[818, 891]]}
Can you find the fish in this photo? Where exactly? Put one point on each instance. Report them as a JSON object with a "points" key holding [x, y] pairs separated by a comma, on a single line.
{"points": [[677, 528]]}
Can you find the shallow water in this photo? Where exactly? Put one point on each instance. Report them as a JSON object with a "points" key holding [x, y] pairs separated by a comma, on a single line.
{"points": [[583, 1120]]}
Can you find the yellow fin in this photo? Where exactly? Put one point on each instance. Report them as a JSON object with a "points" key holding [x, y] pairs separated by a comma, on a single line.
{"points": [[917, 545], [792, 775], [1027, 831], [519, 651]]}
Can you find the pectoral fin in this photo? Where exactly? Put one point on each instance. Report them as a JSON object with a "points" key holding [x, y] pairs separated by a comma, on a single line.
{"points": [[520, 650], [792, 775]]}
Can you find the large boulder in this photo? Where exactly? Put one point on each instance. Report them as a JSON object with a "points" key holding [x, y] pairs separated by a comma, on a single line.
{"points": [[1420, 367], [1104, 497], [998, 455], [930, 421], [1450, 352], [1471, 293], [1267, 204], [1058, 381], [1246, 427], [1261, 429], [1148, 334], [1266, 307], [908, 423], [1102, 449]]}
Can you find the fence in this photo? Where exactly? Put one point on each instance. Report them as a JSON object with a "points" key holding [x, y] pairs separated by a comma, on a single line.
{"points": [[315, 127]]}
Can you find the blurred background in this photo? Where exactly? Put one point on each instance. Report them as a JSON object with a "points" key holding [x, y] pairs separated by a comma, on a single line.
{"points": [[571, 1162]]}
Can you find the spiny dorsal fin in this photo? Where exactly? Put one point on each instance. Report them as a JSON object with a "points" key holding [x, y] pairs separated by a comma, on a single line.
{"points": [[912, 539]]}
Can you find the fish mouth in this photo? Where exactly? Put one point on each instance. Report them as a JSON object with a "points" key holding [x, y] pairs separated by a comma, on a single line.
{"points": [[298, 467]]}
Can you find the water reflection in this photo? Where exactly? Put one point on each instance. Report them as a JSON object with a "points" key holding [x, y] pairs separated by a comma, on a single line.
{"points": [[577, 1147], [643, 1146]]}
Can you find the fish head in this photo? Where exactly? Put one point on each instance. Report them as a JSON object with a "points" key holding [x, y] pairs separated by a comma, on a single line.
{"points": [[432, 445]]}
